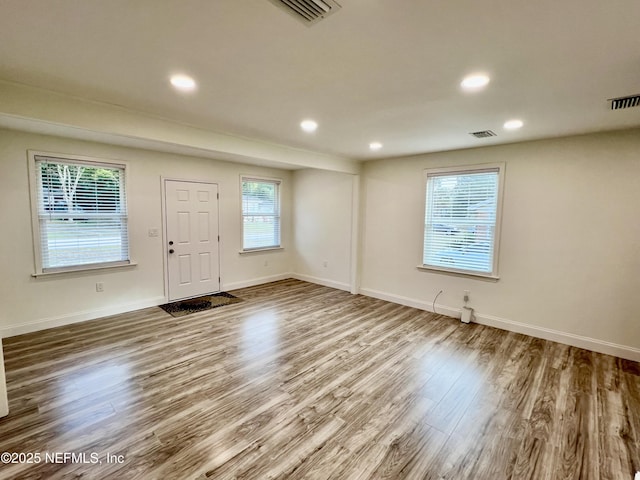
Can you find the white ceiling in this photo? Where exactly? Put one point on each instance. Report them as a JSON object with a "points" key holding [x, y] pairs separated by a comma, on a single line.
{"points": [[385, 70]]}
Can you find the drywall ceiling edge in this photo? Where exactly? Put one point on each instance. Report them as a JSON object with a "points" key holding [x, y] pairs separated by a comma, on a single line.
{"points": [[42, 111]]}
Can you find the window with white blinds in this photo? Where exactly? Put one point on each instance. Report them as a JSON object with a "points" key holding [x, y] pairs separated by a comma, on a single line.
{"points": [[260, 213], [462, 215], [80, 213]]}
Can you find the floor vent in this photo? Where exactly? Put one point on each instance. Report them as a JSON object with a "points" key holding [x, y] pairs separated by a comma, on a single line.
{"points": [[483, 134], [308, 12], [625, 102]]}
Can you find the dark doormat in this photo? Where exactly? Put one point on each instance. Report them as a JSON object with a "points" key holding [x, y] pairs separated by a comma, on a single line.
{"points": [[198, 304]]}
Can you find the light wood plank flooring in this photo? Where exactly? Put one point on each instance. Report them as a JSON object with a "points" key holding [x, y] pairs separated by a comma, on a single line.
{"points": [[303, 381]]}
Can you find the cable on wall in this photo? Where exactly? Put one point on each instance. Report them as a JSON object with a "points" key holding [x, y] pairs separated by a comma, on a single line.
{"points": [[434, 301]]}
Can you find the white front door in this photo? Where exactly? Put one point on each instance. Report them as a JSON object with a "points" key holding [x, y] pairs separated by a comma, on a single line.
{"points": [[193, 264]]}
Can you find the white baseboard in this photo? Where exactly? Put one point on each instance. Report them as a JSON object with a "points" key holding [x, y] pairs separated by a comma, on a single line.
{"points": [[601, 346], [588, 343], [255, 281], [410, 302], [321, 281], [58, 321], [61, 320]]}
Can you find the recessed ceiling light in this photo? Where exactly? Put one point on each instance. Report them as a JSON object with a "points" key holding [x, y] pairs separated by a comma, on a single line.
{"points": [[475, 82], [513, 124], [375, 145], [309, 125], [184, 83]]}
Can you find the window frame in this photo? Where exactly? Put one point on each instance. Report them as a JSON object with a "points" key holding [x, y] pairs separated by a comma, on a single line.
{"points": [[278, 183], [466, 169], [34, 186]]}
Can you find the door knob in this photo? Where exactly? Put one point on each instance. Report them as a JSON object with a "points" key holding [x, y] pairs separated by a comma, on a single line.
{"points": [[171, 251], [170, 242]]}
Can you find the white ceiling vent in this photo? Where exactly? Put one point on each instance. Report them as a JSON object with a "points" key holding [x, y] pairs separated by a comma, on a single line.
{"points": [[483, 134], [625, 102], [308, 12]]}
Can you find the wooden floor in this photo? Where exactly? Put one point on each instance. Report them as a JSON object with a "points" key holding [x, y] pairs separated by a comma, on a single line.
{"points": [[303, 381]]}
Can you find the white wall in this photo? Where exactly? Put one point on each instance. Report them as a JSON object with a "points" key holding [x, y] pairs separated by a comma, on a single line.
{"points": [[322, 226], [569, 259], [570, 246], [34, 303]]}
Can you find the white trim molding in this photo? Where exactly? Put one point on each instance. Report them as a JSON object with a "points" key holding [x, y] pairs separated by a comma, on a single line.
{"points": [[580, 341], [51, 322], [354, 273], [322, 281], [255, 281], [588, 343], [410, 302], [4, 401]]}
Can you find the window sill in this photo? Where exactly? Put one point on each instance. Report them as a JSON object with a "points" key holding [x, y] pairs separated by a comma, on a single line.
{"points": [[260, 250], [83, 269], [462, 273]]}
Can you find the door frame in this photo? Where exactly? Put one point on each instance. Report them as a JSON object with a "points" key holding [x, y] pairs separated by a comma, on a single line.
{"points": [[165, 241]]}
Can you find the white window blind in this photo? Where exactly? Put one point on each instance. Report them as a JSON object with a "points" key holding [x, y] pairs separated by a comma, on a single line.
{"points": [[82, 213], [461, 220], [260, 213]]}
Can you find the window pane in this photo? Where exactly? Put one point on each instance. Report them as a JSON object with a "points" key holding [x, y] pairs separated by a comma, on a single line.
{"points": [[460, 221], [82, 214], [261, 213], [259, 197], [79, 188], [261, 232], [82, 242]]}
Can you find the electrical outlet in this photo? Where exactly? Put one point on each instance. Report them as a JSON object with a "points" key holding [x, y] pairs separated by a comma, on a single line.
{"points": [[99, 287], [467, 294], [325, 264], [153, 232]]}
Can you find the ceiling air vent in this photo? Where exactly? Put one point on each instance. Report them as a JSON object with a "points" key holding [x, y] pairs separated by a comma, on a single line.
{"points": [[308, 12], [483, 134], [625, 102]]}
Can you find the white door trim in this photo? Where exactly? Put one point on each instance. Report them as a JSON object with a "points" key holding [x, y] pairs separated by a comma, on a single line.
{"points": [[354, 269], [4, 402], [165, 246]]}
